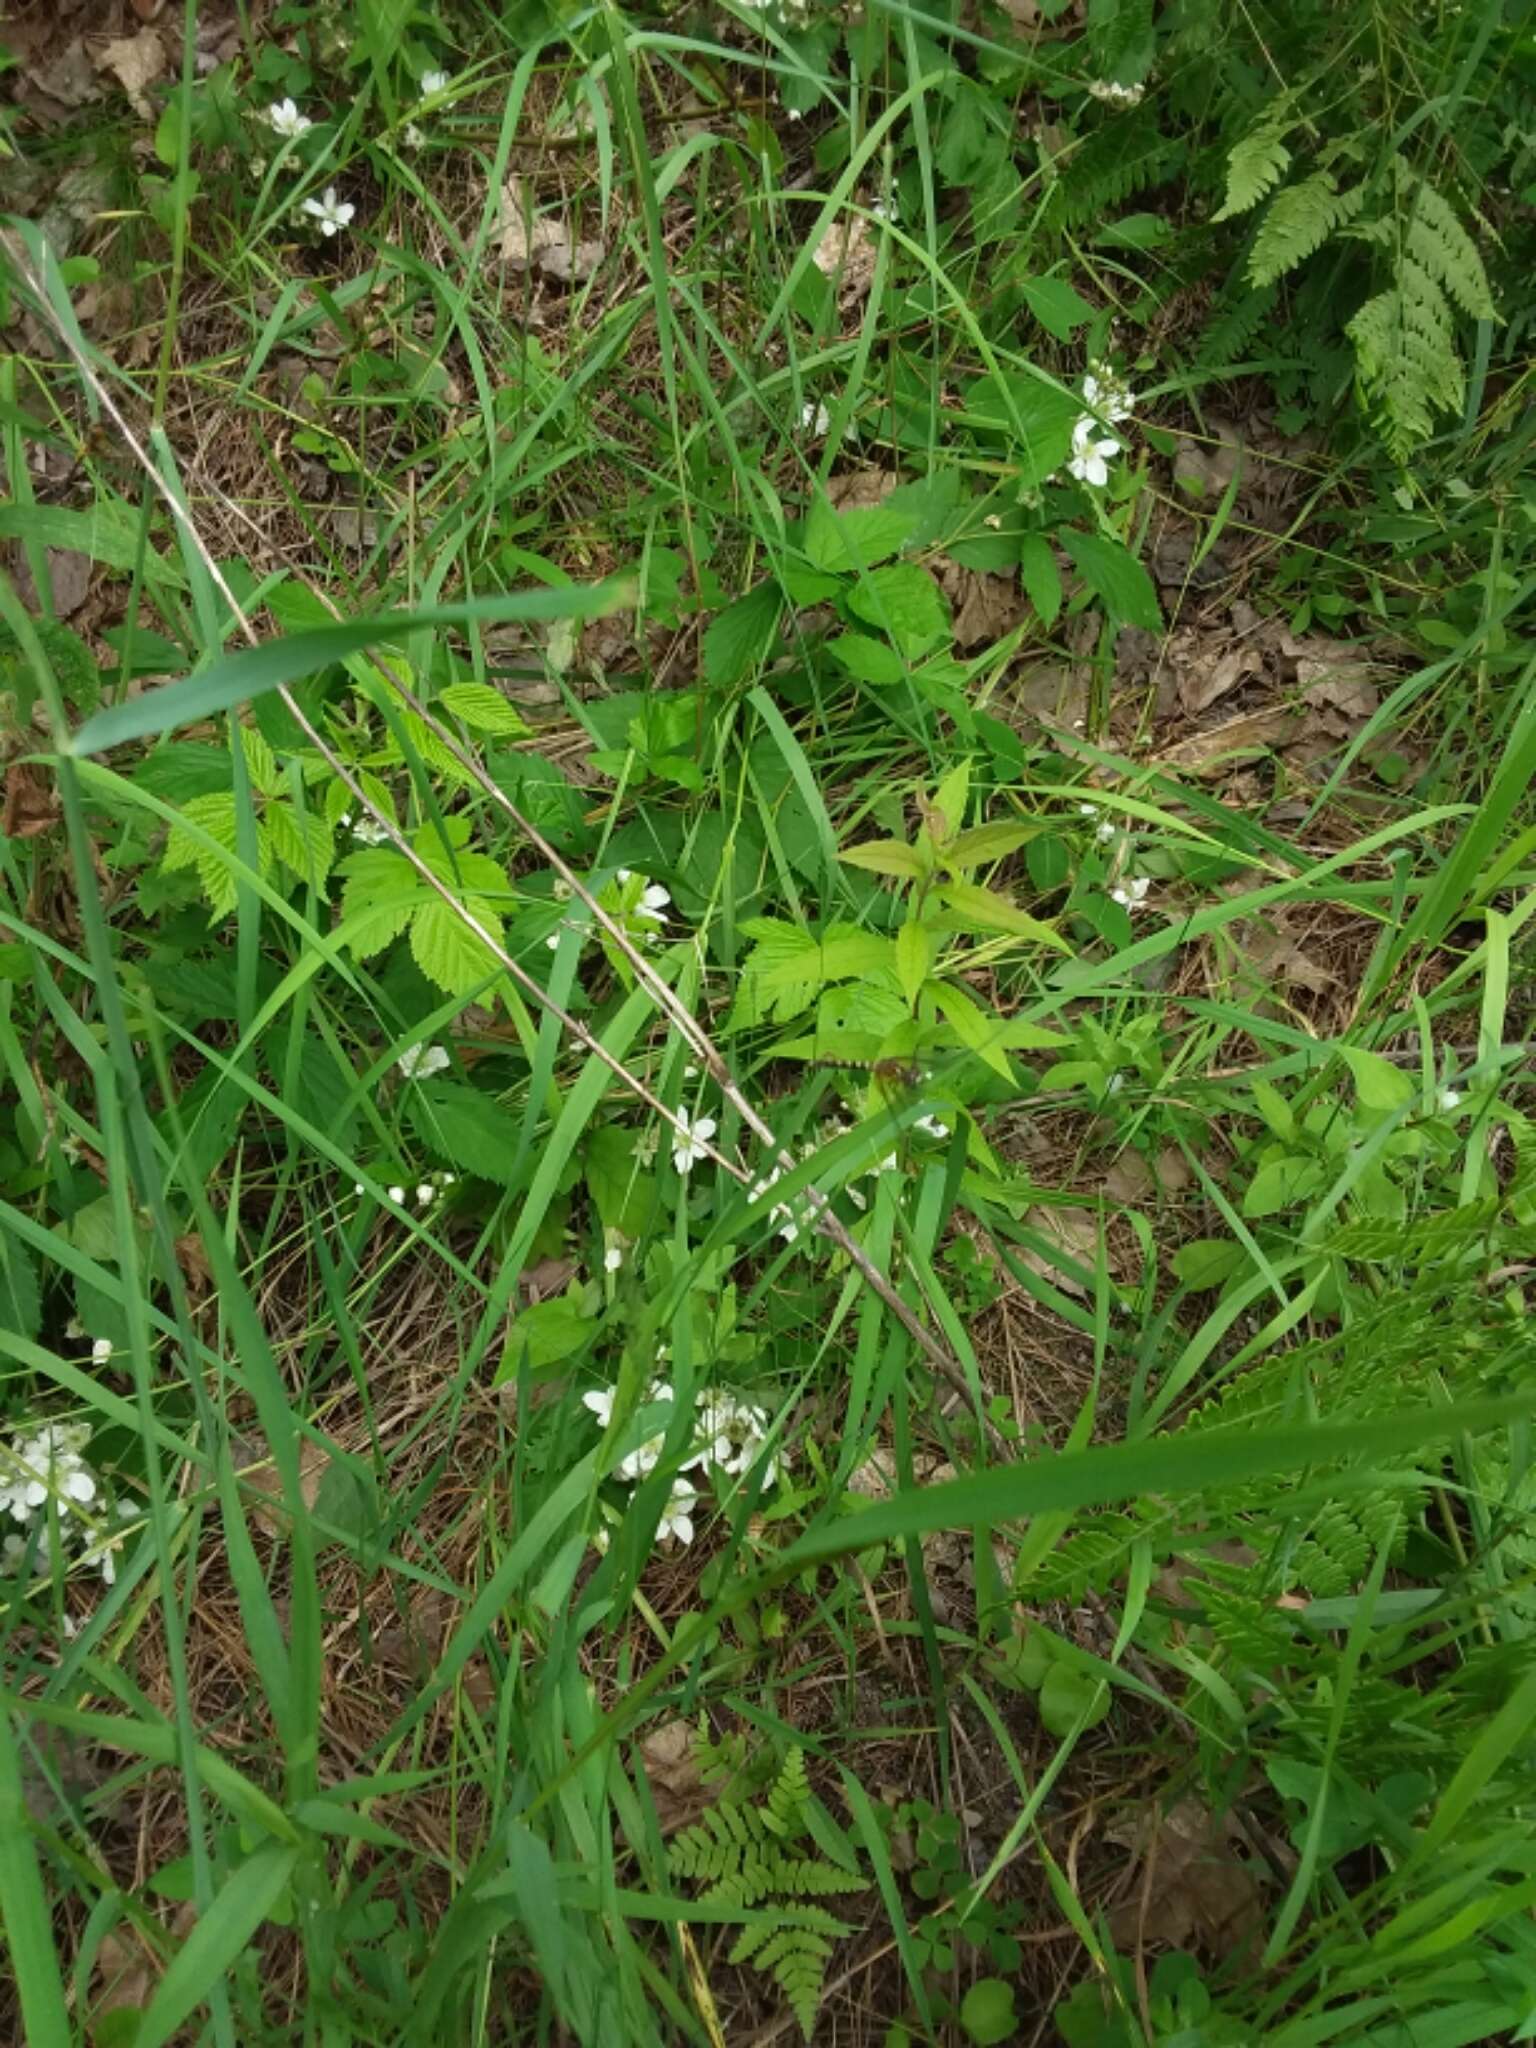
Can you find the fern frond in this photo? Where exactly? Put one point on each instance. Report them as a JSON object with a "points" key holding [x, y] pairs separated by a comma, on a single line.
{"points": [[790, 1790], [1299, 220], [1436, 240], [1255, 166], [1407, 358]]}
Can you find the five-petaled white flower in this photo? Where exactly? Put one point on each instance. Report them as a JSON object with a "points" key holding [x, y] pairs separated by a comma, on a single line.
{"points": [[1091, 452], [287, 121], [419, 1062], [433, 82], [330, 214], [651, 909], [815, 418], [690, 1140], [677, 1520], [1131, 891]]}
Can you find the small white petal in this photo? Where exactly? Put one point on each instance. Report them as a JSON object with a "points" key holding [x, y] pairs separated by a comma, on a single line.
{"points": [[433, 82], [1449, 1099], [426, 1194], [613, 1258], [600, 1401], [397, 1195], [101, 1351]]}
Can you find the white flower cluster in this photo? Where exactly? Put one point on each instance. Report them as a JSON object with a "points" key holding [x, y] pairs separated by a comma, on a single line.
{"points": [[645, 907], [420, 1062], [1105, 831], [1131, 893], [44, 1472], [367, 830], [1116, 95], [1092, 448], [787, 1219], [729, 1433]]}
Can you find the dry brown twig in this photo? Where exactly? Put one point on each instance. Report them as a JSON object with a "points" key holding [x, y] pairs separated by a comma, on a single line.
{"points": [[826, 1220]]}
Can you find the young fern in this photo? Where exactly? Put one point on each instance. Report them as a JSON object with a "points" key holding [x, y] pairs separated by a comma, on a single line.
{"points": [[748, 1857]]}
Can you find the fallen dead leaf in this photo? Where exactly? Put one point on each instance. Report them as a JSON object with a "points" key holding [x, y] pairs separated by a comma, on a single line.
{"points": [[1056, 693], [985, 605], [254, 1465], [1352, 694], [1074, 1234], [68, 77], [135, 62], [538, 241], [121, 1981], [547, 1277], [669, 1756], [1129, 1179], [1277, 958], [861, 487], [1208, 753], [1205, 678], [1203, 469], [31, 803], [69, 579], [1199, 1885], [846, 254]]}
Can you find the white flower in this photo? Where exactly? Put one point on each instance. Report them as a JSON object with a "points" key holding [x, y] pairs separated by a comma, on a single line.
{"points": [[600, 1401], [613, 1258], [412, 136], [815, 418], [419, 1062], [287, 121], [1105, 832], [644, 1458], [625, 875], [886, 210], [734, 1433], [101, 1351], [1108, 397], [1449, 1100], [426, 1194], [1116, 95], [689, 1142], [1087, 810], [397, 1196], [652, 905], [48, 1465], [433, 82], [1131, 892], [677, 1520], [932, 1126], [370, 832], [1114, 1084], [329, 214], [1091, 454]]}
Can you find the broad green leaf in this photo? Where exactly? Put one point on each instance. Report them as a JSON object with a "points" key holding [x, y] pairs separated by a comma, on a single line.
{"points": [[305, 847], [976, 1031], [834, 959], [109, 532], [904, 601], [742, 637], [21, 1308], [549, 1332], [988, 842], [1116, 576], [1378, 1083], [1059, 309], [914, 958], [483, 709], [946, 814], [886, 857], [857, 538], [447, 952], [251, 672], [1066, 1693], [1281, 1184], [209, 1952], [1040, 576], [986, 909], [1207, 1262], [464, 1126], [870, 660]]}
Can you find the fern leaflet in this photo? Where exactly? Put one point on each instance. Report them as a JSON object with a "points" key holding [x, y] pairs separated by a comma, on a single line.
{"points": [[1300, 219], [1255, 167]]}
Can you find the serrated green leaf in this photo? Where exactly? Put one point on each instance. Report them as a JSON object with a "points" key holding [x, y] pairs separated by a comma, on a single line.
{"points": [[976, 1031], [260, 762], [304, 847], [886, 857], [833, 959], [482, 708], [904, 601], [990, 911], [1379, 1085], [914, 958], [464, 1126], [857, 538], [1116, 576], [445, 949], [742, 637], [870, 660], [1040, 576]]}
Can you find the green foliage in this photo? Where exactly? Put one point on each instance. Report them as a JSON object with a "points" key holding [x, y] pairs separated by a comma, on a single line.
{"points": [[751, 1856]]}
